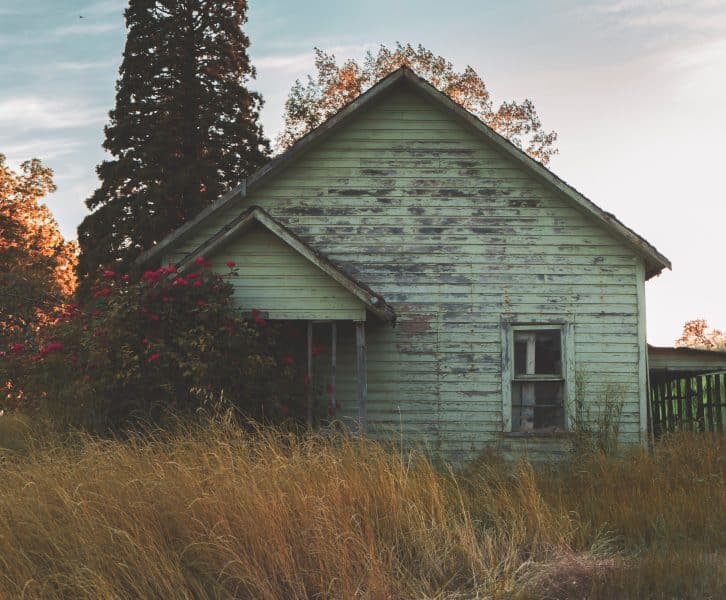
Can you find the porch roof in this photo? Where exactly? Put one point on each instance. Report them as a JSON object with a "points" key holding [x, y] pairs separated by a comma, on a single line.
{"points": [[373, 301]]}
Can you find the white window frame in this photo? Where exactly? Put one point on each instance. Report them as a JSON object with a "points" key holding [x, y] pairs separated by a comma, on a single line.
{"points": [[567, 341]]}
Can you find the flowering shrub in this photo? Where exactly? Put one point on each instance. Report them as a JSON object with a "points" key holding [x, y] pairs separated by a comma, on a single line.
{"points": [[141, 347]]}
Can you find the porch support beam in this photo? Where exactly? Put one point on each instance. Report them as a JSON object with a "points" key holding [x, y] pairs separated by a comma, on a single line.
{"points": [[360, 347], [310, 376], [333, 366]]}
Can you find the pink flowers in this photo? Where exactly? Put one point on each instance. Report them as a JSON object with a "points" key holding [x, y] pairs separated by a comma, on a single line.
{"points": [[179, 281], [154, 276], [154, 357], [108, 274], [15, 348], [201, 302], [102, 292], [50, 348], [257, 316], [230, 263], [288, 360], [199, 260], [197, 283]]}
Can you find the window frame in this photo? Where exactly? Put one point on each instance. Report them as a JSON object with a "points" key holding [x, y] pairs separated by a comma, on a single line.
{"points": [[567, 350]]}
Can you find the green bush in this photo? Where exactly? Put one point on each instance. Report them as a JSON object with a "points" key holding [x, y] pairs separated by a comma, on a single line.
{"points": [[140, 348]]}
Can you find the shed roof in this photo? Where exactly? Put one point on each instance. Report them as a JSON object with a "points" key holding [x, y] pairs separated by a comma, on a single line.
{"points": [[373, 301], [692, 360], [655, 261]]}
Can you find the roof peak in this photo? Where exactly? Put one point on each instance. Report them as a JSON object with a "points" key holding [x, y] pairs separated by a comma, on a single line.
{"points": [[655, 261]]}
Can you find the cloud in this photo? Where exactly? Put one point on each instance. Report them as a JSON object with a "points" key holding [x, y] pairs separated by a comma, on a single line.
{"points": [[304, 60], [85, 29], [104, 7], [24, 113], [85, 65], [42, 148], [289, 62], [700, 15]]}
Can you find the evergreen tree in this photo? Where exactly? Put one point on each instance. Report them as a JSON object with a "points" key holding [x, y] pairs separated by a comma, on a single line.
{"points": [[184, 129]]}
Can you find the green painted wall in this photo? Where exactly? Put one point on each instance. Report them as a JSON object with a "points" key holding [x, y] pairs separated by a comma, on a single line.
{"points": [[274, 278], [455, 235]]}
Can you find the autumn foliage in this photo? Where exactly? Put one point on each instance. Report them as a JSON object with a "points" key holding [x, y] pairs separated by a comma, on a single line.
{"points": [[696, 335], [336, 85], [36, 263], [141, 349]]}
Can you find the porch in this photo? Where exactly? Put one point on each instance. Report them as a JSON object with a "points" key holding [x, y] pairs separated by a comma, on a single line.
{"points": [[281, 278], [687, 390]]}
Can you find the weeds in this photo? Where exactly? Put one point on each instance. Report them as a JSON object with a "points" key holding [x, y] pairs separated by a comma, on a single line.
{"points": [[595, 432], [216, 512]]}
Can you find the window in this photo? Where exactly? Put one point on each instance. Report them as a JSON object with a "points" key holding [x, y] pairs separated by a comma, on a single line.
{"points": [[534, 378]]}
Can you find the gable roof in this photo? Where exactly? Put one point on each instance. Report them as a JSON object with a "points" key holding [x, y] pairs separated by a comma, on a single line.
{"points": [[655, 261], [373, 301]]}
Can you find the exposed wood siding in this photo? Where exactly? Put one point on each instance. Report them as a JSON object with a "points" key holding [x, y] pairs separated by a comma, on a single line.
{"points": [[455, 236], [274, 278]]}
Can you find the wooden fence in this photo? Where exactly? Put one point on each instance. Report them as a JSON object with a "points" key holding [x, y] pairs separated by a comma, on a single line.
{"points": [[687, 402]]}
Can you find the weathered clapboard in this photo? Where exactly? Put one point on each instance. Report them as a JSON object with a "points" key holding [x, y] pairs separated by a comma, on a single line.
{"points": [[462, 235]]}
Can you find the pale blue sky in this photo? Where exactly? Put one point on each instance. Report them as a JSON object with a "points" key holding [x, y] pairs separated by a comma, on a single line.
{"points": [[636, 90]]}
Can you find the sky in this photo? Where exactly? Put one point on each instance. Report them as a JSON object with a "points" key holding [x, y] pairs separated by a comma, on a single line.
{"points": [[636, 90]]}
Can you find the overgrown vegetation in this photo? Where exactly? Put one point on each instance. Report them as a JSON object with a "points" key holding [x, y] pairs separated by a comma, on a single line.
{"points": [[595, 426], [218, 511], [144, 347]]}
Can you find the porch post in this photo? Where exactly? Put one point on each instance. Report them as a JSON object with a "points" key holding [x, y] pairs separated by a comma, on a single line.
{"points": [[310, 375], [333, 365], [360, 347]]}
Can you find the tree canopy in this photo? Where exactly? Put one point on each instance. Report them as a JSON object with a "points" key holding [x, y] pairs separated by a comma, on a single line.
{"points": [[36, 263], [695, 335], [335, 85], [184, 129]]}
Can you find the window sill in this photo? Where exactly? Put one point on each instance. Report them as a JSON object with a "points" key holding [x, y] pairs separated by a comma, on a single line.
{"points": [[537, 434]]}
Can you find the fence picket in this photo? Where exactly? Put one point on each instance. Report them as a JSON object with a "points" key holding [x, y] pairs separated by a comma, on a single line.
{"points": [[685, 402]]}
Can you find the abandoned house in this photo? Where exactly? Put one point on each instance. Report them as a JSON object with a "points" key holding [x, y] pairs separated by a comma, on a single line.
{"points": [[459, 294]]}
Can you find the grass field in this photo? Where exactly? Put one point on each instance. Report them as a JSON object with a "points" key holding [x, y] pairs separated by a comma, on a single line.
{"points": [[214, 512]]}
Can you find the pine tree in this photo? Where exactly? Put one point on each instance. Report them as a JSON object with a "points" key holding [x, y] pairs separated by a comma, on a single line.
{"points": [[184, 130]]}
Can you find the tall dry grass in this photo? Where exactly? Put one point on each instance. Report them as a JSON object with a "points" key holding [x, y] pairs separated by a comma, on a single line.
{"points": [[215, 512]]}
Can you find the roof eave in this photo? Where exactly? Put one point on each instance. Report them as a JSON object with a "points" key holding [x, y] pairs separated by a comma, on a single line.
{"points": [[655, 261], [261, 174], [374, 302], [637, 242]]}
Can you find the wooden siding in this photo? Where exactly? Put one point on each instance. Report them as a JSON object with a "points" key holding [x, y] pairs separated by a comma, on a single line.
{"points": [[274, 278], [455, 236]]}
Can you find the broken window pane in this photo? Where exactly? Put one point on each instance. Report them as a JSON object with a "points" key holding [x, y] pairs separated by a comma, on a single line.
{"points": [[538, 406], [537, 352]]}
